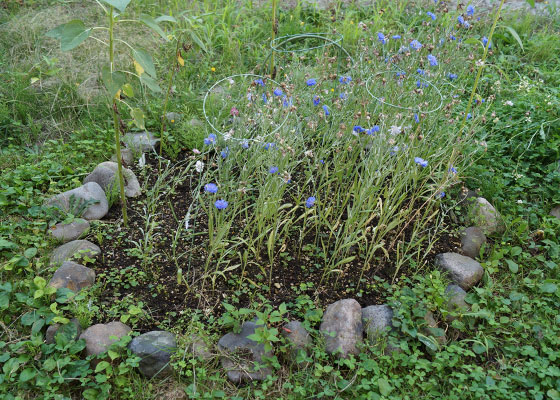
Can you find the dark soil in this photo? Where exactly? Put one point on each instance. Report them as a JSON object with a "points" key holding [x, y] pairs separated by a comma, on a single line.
{"points": [[125, 278]]}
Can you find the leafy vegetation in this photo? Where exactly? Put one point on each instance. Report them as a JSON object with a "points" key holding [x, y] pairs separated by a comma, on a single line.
{"points": [[52, 136]]}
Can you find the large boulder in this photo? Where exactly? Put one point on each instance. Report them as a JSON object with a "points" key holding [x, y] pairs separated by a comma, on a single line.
{"points": [[472, 239], [71, 231], [106, 175], [140, 142], [100, 336], [155, 349], [74, 250], [73, 201], [72, 276], [342, 327], [298, 339], [242, 357], [464, 271], [483, 215]]}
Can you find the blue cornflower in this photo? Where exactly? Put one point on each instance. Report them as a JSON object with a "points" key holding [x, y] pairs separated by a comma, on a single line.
{"points": [[342, 96], [394, 150], [345, 79], [225, 152], [469, 116], [441, 195], [211, 188], [245, 144], [310, 202], [400, 73], [396, 36], [452, 170], [287, 101], [485, 41], [432, 60], [211, 139], [452, 76], [453, 37], [268, 146], [311, 82], [221, 204], [259, 82], [278, 92], [358, 129], [416, 118], [418, 83], [470, 10], [460, 19], [273, 170], [420, 161], [372, 130], [265, 99], [421, 71], [322, 162], [416, 45], [326, 109], [316, 100], [381, 37], [431, 15]]}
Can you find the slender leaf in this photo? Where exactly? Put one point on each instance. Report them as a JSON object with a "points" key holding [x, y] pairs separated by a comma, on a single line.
{"points": [[515, 36], [165, 18], [150, 83], [71, 34], [149, 21]]}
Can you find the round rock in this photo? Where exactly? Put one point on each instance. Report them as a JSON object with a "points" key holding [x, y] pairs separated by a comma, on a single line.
{"points": [[155, 349], [456, 303], [297, 337], [74, 250], [140, 142], [99, 337], [73, 328], [106, 175], [472, 239], [377, 320], [241, 355], [342, 327], [73, 276], [484, 215], [127, 157], [464, 271], [72, 201], [72, 231]]}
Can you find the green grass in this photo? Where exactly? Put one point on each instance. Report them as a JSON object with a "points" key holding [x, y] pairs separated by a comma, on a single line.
{"points": [[51, 137]]}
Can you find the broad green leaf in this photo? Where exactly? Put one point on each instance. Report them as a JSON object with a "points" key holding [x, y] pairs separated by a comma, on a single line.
{"points": [[113, 81], [478, 348], [149, 21], [429, 341], [27, 374], [4, 301], [30, 252], [513, 267], [150, 83], [118, 4], [138, 117], [101, 366], [384, 387], [71, 34], [127, 90], [40, 282], [6, 244], [548, 287], [145, 60], [515, 36]]}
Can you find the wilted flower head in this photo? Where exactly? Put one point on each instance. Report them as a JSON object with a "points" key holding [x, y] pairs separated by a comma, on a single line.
{"points": [[432, 60], [311, 82], [420, 161], [310, 202], [211, 188], [415, 44], [221, 204], [278, 92]]}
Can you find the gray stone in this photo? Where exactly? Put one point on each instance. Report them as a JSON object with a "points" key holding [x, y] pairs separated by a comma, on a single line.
{"points": [[54, 329], [74, 250], [99, 337], [342, 327], [87, 192], [463, 271], [484, 215], [472, 239], [105, 174], [155, 349], [241, 354], [140, 142], [72, 231], [297, 337], [555, 212], [456, 303], [127, 157], [72, 276], [377, 320], [198, 347]]}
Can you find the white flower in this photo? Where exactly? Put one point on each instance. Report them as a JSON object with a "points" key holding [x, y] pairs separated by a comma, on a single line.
{"points": [[508, 103], [142, 161], [519, 201], [227, 135], [395, 130], [199, 166]]}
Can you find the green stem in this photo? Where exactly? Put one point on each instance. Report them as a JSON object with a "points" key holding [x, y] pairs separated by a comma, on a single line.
{"points": [[116, 122], [274, 31]]}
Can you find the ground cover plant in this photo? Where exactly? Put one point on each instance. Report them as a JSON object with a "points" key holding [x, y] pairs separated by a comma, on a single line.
{"points": [[273, 196]]}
